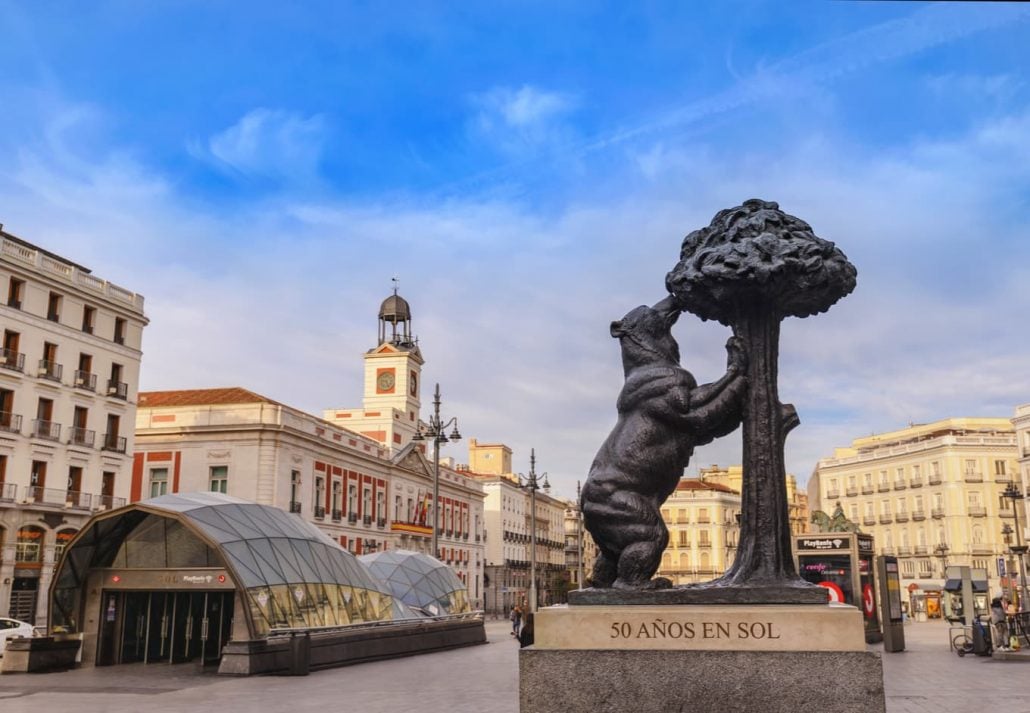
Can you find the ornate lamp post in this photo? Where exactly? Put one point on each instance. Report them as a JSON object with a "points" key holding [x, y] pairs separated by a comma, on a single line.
{"points": [[1006, 536], [1019, 549], [532, 483], [437, 432]]}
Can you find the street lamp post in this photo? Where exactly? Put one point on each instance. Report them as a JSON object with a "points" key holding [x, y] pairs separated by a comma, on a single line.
{"points": [[532, 484], [1019, 549], [437, 431], [941, 551], [579, 536], [1010, 568]]}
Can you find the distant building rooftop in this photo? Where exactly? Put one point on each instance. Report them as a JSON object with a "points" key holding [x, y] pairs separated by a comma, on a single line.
{"points": [[202, 397]]}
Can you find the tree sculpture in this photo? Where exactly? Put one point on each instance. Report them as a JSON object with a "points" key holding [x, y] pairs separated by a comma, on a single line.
{"points": [[753, 266]]}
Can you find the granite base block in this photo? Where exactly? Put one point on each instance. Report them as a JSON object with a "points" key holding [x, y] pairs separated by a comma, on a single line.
{"points": [[619, 681]]}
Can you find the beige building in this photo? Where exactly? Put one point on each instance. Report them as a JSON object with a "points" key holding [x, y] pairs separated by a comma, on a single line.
{"points": [[703, 531], [1021, 424], [69, 373], [928, 494], [509, 528], [797, 500], [579, 545], [369, 491]]}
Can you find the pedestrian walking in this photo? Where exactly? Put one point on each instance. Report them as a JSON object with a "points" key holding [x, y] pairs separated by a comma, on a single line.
{"points": [[999, 622], [516, 621]]}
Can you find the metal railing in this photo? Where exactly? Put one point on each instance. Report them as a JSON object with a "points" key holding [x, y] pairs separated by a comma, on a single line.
{"points": [[915, 482], [49, 370], [901, 517], [110, 502], [79, 500], [82, 437], [46, 429], [10, 422], [976, 511], [973, 477], [867, 490], [900, 485], [851, 492], [113, 442], [320, 511], [337, 515], [45, 496], [294, 506], [10, 359], [117, 389], [918, 515], [85, 380], [937, 513], [8, 491]]}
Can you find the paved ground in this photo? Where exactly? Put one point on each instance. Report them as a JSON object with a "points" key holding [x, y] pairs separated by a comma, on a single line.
{"points": [[925, 678]]}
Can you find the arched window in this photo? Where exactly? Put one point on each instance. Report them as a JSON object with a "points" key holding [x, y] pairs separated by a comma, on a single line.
{"points": [[978, 535], [29, 547], [63, 538], [706, 561]]}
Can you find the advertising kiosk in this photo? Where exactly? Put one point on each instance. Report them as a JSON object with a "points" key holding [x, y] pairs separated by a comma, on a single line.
{"points": [[843, 563]]}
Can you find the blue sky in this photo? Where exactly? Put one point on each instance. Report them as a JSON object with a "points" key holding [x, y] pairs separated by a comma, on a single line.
{"points": [[528, 171]]}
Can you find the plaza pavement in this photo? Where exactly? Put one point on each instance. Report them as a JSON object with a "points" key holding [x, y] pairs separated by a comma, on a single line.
{"points": [[926, 678]]}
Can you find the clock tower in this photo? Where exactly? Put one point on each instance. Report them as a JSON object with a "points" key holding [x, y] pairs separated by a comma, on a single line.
{"points": [[393, 381]]}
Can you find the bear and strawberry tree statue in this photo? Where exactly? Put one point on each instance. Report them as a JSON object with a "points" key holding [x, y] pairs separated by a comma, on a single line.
{"points": [[751, 268]]}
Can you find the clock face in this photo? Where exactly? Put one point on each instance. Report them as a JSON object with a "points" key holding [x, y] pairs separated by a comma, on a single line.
{"points": [[414, 384], [385, 381]]}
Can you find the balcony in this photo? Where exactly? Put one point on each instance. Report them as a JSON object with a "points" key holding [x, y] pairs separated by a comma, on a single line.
{"points": [[869, 520], [381, 522], [47, 430], [704, 545], [7, 492], [337, 515], [851, 492], [110, 502], [10, 359], [915, 483], [867, 490], [885, 519], [900, 485], [976, 511], [937, 513], [78, 500], [704, 520], [46, 496], [113, 442], [934, 480], [82, 437], [366, 520], [901, 517], [352, 518], [918, 515], [117, 389], [883, 487], [320, 512], [85, 380], [10, 422], [904, 551], [971, 476], [49, 370], [294, 507], [831, 494], [922, 550]]}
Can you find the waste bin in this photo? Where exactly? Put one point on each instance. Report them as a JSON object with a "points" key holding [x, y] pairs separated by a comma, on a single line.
{"points": [[300, 653], [981, 638]]}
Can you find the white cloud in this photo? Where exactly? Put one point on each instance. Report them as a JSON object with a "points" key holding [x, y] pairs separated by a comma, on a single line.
{"points": [[523, 118], [269, 143]]}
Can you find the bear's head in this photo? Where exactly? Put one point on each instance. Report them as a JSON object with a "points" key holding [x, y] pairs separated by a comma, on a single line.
{"points": [[645, 334]]}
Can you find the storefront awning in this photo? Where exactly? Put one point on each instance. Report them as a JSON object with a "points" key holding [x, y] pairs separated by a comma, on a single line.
{"points": [[955, 585]]}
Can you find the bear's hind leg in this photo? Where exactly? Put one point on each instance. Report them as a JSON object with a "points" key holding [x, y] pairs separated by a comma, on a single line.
{"points": [[606, 569], [638, 562]]}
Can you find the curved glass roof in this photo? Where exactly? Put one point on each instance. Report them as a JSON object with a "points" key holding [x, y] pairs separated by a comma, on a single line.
{"points": [[420, 581], [295, 575]]}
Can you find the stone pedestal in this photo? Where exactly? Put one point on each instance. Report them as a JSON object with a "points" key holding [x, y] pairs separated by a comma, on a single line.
{"points": [[728, 658]]}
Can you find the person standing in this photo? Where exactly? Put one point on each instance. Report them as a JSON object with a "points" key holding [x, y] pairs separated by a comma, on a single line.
{"points": [[999, 623], [516, 620]]}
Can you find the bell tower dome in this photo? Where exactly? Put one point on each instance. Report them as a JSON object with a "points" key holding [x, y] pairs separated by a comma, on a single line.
{"points": [[395, 321]]}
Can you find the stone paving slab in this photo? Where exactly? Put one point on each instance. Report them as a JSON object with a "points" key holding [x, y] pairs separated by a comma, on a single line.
{"points": [[926, 678]]}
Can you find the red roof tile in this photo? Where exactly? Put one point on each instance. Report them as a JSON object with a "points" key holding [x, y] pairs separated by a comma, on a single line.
{"points": [[695, 484], [201, 397]]}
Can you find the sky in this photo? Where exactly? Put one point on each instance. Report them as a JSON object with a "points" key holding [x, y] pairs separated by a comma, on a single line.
{"points": [[527, 171]]}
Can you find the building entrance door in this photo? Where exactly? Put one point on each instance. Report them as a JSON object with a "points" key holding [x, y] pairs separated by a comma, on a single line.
{"points": [[161, 626]]}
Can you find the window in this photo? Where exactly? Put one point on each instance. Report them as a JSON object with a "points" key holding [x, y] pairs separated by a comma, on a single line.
{"points": [[29, 546], [158, 482], [352, 498], [854, 512], [48, 366], [3, 474], [885, 507], [684, 538], [61, 541], [381, 505], [89, 318], [999, 467], [294, 489], [917, 503], [319, 496], [883, 477], [869, 510], [970, 467], [119, 330], [852, 482], [218, 478], [901, 506], [702, 515], [107, 486], [15, 290], [53, 307], [338, 500], [867, 480], [908, 568], [979, 564], [935, 469], [704, 538], [74, 479]]}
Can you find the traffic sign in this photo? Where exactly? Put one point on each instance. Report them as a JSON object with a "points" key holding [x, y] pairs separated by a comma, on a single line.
{"points": [[1001, 566]]}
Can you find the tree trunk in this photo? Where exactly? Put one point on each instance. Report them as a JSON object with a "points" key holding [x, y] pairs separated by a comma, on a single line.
{"points": [[764, 550]]}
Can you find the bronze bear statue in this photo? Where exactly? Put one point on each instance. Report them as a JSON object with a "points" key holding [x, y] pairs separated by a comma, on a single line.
{"points": [[662, 416]]}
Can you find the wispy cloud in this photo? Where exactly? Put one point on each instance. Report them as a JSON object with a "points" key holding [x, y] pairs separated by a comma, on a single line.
{"points": [[527, 118], [268, 143]]}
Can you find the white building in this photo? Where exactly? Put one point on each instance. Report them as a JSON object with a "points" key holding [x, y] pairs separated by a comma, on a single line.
{"points": [[367, 491], [69, 373]]}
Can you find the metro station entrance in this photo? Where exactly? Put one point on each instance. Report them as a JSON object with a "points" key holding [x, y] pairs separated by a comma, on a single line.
{"points": [[164, 626]]}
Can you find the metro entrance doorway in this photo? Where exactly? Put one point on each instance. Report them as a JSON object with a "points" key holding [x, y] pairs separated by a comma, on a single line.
{"points": [[164, 626]]}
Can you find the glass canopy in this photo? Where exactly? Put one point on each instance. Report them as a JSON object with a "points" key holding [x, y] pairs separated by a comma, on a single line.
{"points": [[291, 574], [420, 581]]}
